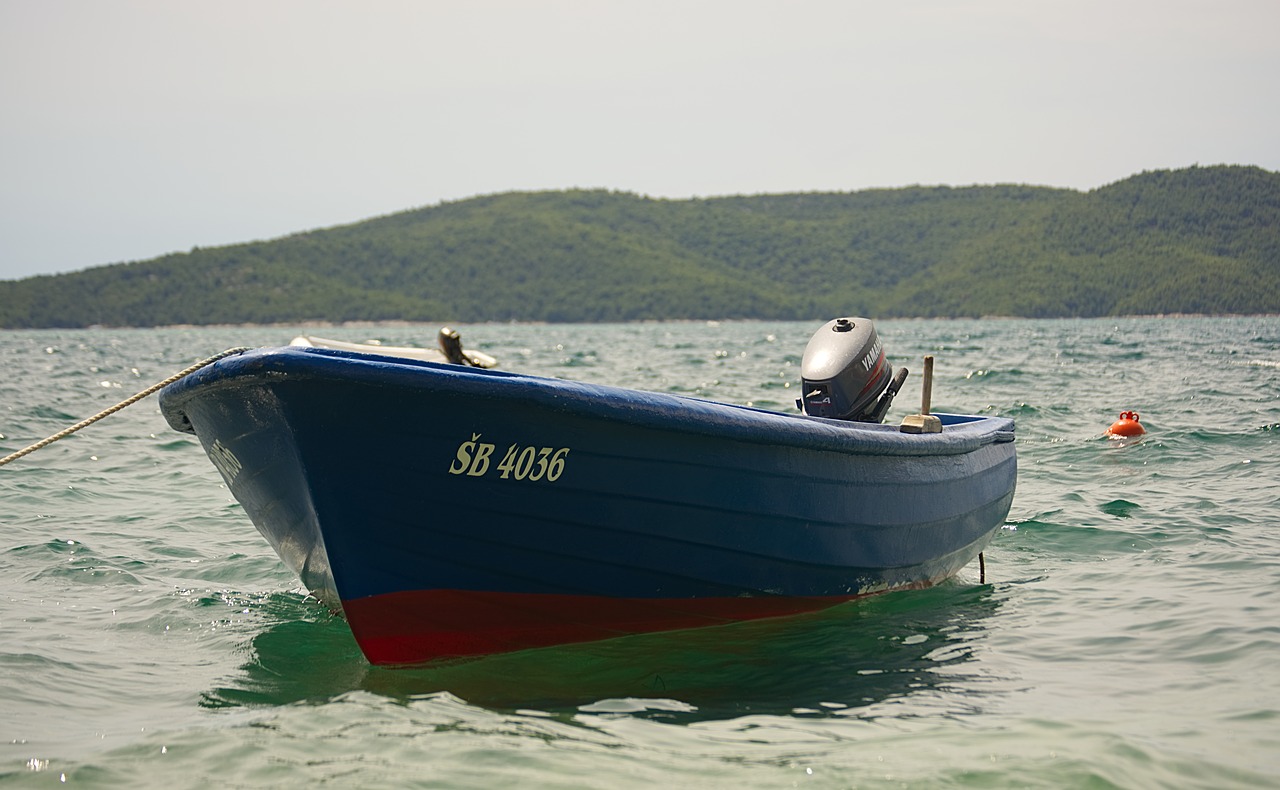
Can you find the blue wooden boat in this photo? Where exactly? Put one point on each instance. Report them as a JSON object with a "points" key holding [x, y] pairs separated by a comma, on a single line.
{"points": [[448, 510]]}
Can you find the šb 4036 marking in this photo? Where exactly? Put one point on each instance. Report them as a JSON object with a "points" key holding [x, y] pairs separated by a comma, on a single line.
{"points": [[474, 458]]}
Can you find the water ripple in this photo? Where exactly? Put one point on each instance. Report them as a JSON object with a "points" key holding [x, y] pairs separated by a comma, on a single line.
{"points": [[1124, 635]]}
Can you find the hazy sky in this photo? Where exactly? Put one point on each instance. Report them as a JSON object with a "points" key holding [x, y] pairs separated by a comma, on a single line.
{"points": [[132, 129]]}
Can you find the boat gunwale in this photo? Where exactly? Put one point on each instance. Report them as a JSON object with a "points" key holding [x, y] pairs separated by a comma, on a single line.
{"points": [[665, 411]]}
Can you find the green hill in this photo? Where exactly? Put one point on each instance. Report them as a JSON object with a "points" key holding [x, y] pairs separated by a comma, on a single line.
{"points": [[1198, 240]]}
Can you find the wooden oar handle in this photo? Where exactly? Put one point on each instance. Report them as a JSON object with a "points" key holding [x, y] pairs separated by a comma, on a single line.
{"points": [[928, 384]]}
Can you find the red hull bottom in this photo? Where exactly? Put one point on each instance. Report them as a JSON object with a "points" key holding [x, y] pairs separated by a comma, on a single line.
{"points": [[420, 626]]}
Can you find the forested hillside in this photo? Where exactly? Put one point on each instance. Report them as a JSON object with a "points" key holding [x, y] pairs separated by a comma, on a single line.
{"points": [[1199, 240]]}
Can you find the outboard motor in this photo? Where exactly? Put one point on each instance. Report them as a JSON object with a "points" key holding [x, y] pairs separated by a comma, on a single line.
{"points": [[845, 375]]}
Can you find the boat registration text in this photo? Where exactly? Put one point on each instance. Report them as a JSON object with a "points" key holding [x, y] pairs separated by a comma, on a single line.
{"points": [[520, 462]]}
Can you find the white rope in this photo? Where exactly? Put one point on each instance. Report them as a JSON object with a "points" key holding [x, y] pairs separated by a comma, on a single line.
{"points": [[129, 402]]}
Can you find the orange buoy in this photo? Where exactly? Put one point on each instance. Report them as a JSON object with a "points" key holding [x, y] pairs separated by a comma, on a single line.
{"points": [[1127, 425]]}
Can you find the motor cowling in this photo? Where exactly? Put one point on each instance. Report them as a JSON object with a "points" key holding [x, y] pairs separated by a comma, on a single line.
{"points": [[845, 375]]}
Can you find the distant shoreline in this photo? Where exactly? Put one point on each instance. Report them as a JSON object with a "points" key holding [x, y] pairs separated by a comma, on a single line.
{"points": [[436, 325]]}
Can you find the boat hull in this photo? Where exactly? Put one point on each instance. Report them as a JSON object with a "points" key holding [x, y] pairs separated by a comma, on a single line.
{"points": [[449, 511]]}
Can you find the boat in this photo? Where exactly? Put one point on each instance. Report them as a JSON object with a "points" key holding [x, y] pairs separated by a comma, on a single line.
{"points": [[450, 511]]}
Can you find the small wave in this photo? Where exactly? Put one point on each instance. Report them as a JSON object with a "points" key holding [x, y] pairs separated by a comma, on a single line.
{"points": [[580, 359], [182, 444], [1040, 538], [1258, 363], [1120, 508], [987, 373], [1211, 437], [637, 705], [45, 412]]}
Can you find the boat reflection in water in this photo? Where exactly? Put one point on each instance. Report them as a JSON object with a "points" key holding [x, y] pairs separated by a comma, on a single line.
{"points": [[837, 662]]}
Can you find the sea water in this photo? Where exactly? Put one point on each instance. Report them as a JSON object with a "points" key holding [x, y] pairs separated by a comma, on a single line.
{"points": [[1127, 632]]}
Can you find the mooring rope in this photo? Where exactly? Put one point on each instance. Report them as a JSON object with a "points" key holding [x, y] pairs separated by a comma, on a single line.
{"points": [[129, 402]]}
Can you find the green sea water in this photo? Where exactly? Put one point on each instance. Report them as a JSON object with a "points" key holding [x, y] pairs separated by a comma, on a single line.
{"points": [[1127, 633]]}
